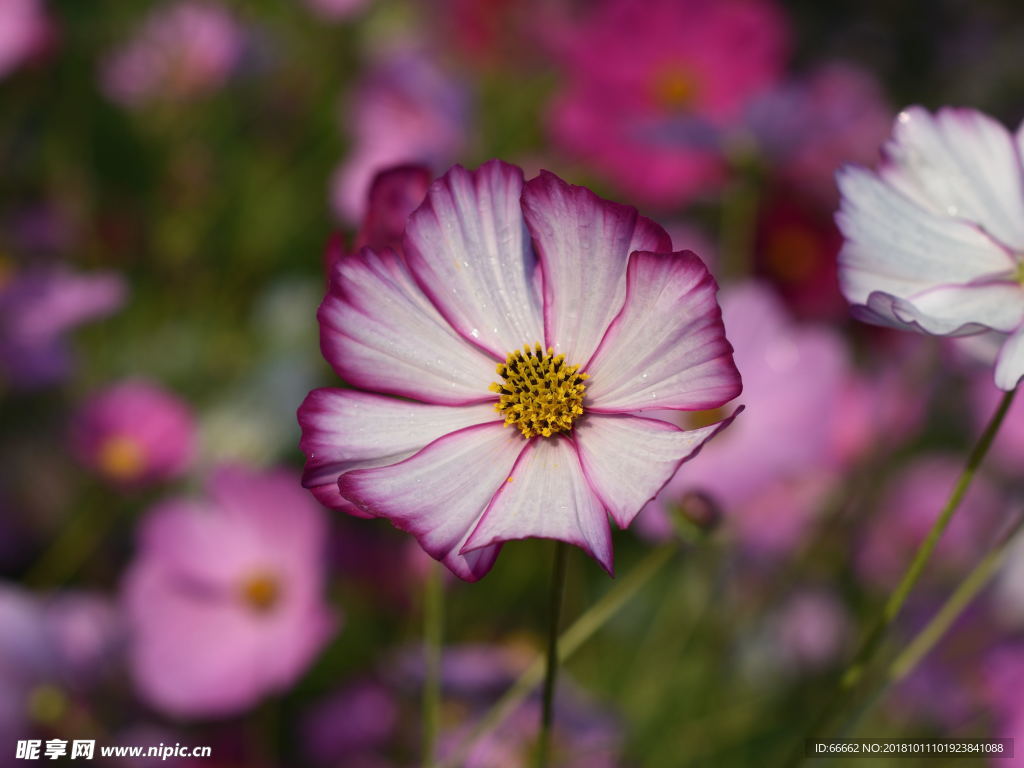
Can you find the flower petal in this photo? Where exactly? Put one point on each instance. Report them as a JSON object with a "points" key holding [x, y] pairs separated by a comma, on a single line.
{"points": [[439, 494], [959, 163], [583, 243], [955, 310], [629, 459], [547, 496], [667, 348], [469, 249], [380, 332], [344, 430], [1010, 363], [895, 246]]}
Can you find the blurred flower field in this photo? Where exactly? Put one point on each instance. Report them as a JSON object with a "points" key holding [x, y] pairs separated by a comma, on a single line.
{"points": [[240, 317]]}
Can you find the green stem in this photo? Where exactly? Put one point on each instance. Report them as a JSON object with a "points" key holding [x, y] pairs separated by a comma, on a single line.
{"points": [[924, 642], [433, 635], [547, 716], [82, 535], [854, 673], [739, 214], [571, 640]]}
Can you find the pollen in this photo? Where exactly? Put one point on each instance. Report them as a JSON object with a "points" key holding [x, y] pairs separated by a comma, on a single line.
{"points": [[539, 393], [261, 592]]}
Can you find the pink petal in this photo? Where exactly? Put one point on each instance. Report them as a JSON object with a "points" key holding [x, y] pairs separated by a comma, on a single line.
{"points": [[959, 163], [470, 251], [583, 243], [439, 494], [667, 348], [958, 309], [629, 459], [344, 430], [547, 496], [1010, 363], [897, 247], [380, 332]]}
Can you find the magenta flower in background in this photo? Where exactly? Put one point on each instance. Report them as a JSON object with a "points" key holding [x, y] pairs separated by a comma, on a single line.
{"points": [[934, 237], [134, 433], [907, 511], [772, 470], [179, 52], [406, 109], [24, 28], [224, 599], [651, 85], [505, 288], [39, 305]]}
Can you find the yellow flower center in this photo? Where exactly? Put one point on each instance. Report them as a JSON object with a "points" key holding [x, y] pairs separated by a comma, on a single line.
{"points": [[539, 393], [261, 592], [1019, 274], [121, 458]]}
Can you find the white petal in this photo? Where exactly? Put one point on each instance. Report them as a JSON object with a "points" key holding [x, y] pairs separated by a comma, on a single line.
{"points": [[895, 246], [583, 243], [440, 493], [1010, 363], [469, 249], [380, 333], [667, 348], [959, 163], [344, 430], [628, 459], [961, 309], [547, 496]]}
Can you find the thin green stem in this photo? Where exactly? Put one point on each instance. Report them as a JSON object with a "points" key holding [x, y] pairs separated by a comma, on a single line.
{"points": [[924, 642], [571, 640], [547, 716], [433, 637], [854, 673]]}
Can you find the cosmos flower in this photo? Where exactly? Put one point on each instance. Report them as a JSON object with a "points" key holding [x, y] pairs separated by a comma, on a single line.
{"points": [[524, 328], [934, 237], [133, 433], [224, 598], [180, 51], [38, 306], [651, 86]]}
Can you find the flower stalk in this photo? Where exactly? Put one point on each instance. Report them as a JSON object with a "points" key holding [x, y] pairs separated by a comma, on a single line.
{"points": [[547, 715], [433, 636]]}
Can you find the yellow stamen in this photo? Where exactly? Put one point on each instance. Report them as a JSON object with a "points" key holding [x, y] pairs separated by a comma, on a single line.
{"points": [[121, 458], [675, 88], [261, 592], [540, 394]]}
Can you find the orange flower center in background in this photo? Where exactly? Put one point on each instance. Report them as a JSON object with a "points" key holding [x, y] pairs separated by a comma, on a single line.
{"points": [[121, 458], [539, 394], [675, 88], [261, 592], [792, 254]]}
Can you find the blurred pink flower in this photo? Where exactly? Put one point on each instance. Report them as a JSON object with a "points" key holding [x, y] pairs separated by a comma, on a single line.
{"points": [[810, 127], [405, 110], [1007, 450], [23, 29], [63, 643], [907, 511], [336, 10], [180, 51], [934, 237], [650, 85], [772, 470], [493, 265], [355, 723], [811, 629], [38, 306], [134, 433], [225, 596]]}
